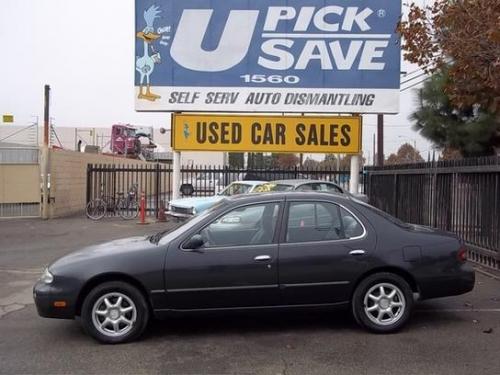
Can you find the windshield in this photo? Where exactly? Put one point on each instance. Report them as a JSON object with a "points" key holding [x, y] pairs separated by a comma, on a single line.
{"points": [[168, 234], [235, 189]]}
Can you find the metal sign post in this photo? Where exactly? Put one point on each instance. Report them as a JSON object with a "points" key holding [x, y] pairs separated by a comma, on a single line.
{"points": [[45, 155]]}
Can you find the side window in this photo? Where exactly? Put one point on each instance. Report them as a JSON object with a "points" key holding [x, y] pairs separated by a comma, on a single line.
{"points": [[352, 227], [313, 221], [305, 187], [249, 225]]}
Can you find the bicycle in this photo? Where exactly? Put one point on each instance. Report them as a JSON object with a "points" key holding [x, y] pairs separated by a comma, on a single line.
{"points": [[126, 207]]}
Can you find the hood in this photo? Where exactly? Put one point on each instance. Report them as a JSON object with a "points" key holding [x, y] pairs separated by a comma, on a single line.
{"points": [[196, 202], [114, 249]]}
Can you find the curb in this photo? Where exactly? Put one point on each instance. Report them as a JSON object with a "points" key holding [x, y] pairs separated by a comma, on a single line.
{"points": [[488, 273]]}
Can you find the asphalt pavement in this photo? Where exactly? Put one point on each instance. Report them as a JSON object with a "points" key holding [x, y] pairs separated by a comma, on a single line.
{"points": [[455, 335]]}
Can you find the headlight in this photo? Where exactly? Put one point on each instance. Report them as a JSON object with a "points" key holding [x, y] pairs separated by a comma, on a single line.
{"points": [[46, 277], [193, 210]]}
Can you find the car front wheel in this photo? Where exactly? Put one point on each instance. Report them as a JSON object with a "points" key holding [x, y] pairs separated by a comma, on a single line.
{"points": [[382, 302], [115, 312]]}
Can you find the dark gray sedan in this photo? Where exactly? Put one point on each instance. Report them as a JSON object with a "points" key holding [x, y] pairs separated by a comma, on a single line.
{"points": [[278, 250]]}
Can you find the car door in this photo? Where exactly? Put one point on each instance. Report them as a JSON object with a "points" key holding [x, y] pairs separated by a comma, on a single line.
{"points": [[324, 248], [236, 267]]}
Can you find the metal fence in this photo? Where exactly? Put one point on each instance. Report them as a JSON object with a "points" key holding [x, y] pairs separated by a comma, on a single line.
{"points": [[155, 180], [19, 155], [461, 196]]}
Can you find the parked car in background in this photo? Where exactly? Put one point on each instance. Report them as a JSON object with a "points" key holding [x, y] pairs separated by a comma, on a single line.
{"points": [[205, 182], [256, 251], [186, 207], [314, 185]]}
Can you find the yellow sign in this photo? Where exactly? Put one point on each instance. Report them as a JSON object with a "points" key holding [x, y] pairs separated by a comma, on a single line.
{"points": [[8, 118], [333, 134]]}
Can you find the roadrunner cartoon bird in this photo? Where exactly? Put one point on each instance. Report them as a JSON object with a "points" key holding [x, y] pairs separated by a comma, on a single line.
{"points": [[146, 63]]}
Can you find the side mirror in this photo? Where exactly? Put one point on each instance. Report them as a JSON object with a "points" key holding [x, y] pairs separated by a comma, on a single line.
{"points": [[194, 242]]}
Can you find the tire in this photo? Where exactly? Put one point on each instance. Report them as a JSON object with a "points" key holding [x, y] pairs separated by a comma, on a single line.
{"points": [[121, 326], [96, 209], [128, 209], [386, 314]]}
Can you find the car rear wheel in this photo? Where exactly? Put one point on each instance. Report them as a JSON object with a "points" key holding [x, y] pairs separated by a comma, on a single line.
{"points": [[115, 312], [382, 302]]}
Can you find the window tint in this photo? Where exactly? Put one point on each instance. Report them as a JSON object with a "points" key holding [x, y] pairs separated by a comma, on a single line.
{"points": [[249, 225], [384, 214], [235, 189], [352, 227], [330, 188], [313, 221]]}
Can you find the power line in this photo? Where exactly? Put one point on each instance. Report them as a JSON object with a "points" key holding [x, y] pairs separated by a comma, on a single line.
{"points": [[387, 126], [411, 79], [415, 84]]}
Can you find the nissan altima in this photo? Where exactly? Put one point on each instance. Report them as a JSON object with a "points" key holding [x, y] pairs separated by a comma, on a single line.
{"points": [[275, 250]]}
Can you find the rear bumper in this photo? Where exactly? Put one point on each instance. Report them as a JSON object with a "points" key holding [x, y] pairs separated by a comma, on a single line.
{"points": [[460, 282], [45, 295]]}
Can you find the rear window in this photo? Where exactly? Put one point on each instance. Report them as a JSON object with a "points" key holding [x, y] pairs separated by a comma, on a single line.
{"points": [[282, 187], [384, 214]]}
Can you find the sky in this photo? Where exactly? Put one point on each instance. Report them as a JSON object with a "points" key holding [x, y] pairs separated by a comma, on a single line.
{"points": [[85, 50]]}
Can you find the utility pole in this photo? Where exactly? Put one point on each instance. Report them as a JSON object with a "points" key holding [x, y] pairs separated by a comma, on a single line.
{"points": [[45, 154], [380, 140], [46, 117], [374, 151]]}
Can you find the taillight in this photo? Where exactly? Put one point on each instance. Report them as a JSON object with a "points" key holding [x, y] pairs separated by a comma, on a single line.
{"points": [[462, 254]]}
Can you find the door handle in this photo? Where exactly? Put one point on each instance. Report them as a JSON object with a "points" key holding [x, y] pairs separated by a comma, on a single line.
{"points": [[357, 252], [262, 258]]}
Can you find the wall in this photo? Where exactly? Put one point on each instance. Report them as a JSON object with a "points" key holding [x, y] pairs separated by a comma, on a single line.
{"points": [[19, 183], [68, 179]]}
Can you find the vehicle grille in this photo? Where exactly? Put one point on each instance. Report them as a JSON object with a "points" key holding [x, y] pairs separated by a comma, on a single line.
{"points": [[181, 210]]}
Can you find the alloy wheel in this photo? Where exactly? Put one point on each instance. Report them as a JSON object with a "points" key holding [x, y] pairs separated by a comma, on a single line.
{"points": [[114, 314], [384, 304]]}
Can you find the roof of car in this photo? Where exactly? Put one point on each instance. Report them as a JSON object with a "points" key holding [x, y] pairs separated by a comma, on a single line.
{"points": [[273, 195], [296, 182], [250, 182]]}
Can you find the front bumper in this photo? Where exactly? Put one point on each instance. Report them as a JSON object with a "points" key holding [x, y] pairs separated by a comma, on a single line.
{"points": [[45, 295], [179, 215]]}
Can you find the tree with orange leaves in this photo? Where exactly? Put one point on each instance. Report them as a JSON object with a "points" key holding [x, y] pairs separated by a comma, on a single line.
{"points": [[464, 36]]}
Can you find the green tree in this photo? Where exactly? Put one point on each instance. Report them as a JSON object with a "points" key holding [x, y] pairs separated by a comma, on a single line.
{"points": [[470, 130]]}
